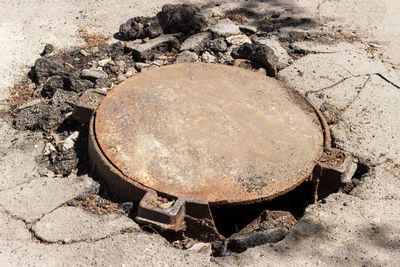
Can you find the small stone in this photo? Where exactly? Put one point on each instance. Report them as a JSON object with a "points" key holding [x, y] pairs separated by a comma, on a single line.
{"points": [[121, 65], [140, 27], [185, 18], [121, 77], [69, 142], [201, 248], [225, 58], [48, 49], [208, 58], [141, 65], [238, 39], [86, 104], [129, 72], [103, 62], [270, 55], [282, 57], [53, 84], [84, 53], [248, 29], [186, 56], [27, 105], [93, 74], [196, 42], [147, 50], [48, 149], [103, 83], [94, 50], [157, 63], [218, 45], [225, 28]]}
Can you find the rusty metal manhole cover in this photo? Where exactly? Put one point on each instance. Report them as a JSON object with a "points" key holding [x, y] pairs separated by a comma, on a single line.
{"points": [[203, 134]]}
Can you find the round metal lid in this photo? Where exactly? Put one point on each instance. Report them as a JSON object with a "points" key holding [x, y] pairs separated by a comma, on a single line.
{"points": [[209, 132]]}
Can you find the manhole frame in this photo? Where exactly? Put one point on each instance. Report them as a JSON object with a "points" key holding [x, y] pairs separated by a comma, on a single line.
{"points": [[196, 219]]}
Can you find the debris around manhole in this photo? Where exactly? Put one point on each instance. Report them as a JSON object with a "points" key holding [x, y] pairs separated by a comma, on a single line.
{"points": [[86, 104], [63, 161], [140, 28], [99, 205], [270, 227], [184, 18], [241, 242]]}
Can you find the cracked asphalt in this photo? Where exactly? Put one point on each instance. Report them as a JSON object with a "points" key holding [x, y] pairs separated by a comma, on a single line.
{"points": [[359, 93]]}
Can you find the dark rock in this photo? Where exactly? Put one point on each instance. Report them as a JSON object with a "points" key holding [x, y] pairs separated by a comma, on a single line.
{"points": [[208, 58], [140, 27], [53, 84], [111, 70], [248, 29], [86, 104], [46, 67], [218, 45], [186, 56], [280, 56], [241, 242], [63, 101], [161, 44], [103, 83], [37, 117], [225, 28], [219, 248], [63, 162], [73, 83], [127, 207], [93, 74], [196, 42], [259, 53], [48, 49], [185, 18], [64, 82]]}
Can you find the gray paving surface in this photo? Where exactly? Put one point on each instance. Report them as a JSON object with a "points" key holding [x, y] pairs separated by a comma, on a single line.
{"points": [[359, 228]]}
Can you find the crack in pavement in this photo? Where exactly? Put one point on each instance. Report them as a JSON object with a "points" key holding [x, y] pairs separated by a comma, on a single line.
{"points": [[35, 237], [328, 87], [42, 241], [387, 80], [339, 115]]}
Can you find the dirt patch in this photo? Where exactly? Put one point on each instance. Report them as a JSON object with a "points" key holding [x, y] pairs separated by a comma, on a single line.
{"points": [[92, 39]]}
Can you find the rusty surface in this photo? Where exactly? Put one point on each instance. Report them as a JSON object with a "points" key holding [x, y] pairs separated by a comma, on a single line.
{"points": [[333, 170], [165, 218], [209, 133]]}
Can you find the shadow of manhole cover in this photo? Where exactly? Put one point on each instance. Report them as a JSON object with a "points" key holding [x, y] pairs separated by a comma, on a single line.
{"points": [[180, 139]]}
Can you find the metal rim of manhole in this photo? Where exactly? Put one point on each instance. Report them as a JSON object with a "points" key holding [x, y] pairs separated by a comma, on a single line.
{"points": [[205, 135]]}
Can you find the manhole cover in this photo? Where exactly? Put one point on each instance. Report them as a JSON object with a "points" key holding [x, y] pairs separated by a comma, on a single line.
{"points": [[203, 134]]}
